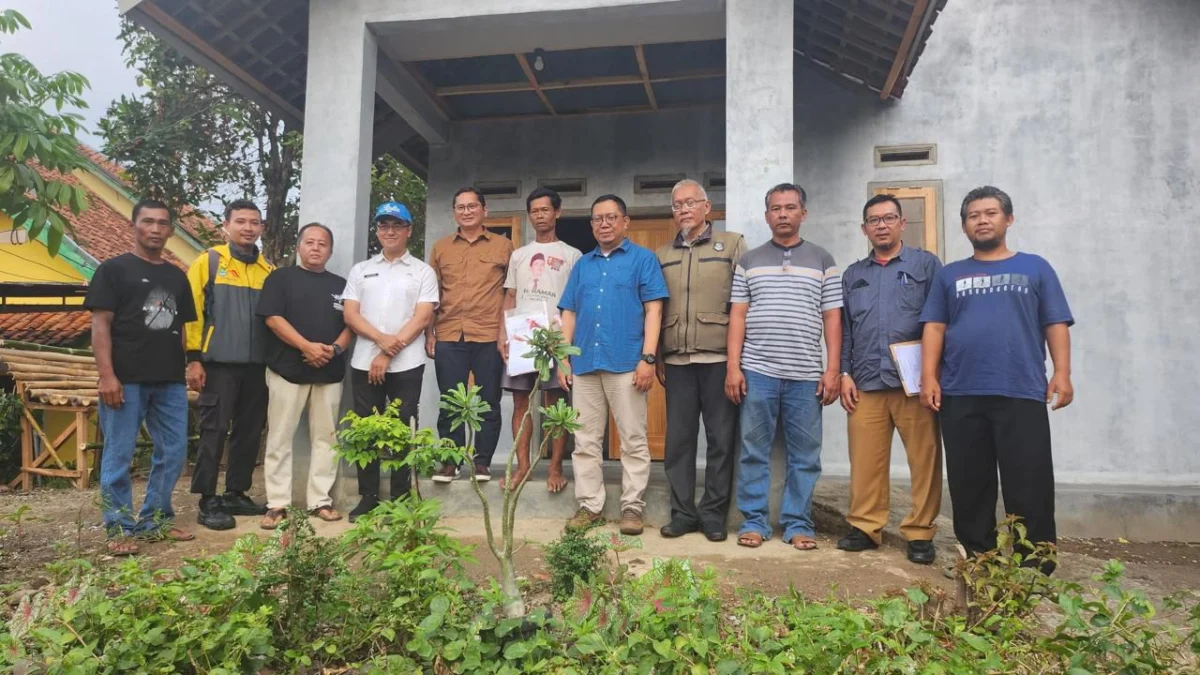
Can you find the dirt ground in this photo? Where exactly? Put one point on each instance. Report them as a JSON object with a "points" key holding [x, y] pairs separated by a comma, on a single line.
{"points": [[65, 523]]}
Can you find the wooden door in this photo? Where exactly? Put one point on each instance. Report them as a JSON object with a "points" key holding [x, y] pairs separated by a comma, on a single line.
{"points": [[920, 207], [650, 233], [509, 226]]}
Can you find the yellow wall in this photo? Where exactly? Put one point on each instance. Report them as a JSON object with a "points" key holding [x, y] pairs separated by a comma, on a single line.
{"points": [[117, 201], [32, 262]]}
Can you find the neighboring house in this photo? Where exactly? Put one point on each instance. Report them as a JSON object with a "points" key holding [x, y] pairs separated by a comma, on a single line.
{"points": [[101, 232], [1085, 112]]}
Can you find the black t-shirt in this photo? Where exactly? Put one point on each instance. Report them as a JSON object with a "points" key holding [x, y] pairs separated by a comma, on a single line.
{"points": [[312, 303], [150, 303]]}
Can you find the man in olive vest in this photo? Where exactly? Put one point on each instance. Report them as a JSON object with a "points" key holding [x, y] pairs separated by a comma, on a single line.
{"points": [[698, 267]]}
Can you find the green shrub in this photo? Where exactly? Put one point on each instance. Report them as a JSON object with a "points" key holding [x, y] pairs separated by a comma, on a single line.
{"points": [[10, 435], [575, 556]]}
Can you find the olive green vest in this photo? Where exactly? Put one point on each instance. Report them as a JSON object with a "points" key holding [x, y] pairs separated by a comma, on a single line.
{"points": [[699, 278]]}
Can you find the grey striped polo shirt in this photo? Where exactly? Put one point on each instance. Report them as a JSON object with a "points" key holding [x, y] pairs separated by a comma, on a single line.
{"points": [[787, 289]]}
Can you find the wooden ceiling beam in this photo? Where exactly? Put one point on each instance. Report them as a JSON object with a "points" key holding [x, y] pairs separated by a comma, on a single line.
{"points": [[901, 60], [533, 82], [605, 81], [641, 61]]}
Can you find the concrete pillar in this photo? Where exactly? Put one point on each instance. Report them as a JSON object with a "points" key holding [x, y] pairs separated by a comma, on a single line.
{"points": [[758, 110], [335, 190], [339, 113]]}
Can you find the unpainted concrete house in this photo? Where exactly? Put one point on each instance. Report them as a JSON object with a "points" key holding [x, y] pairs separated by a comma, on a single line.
{"points": [[1083, 110]]}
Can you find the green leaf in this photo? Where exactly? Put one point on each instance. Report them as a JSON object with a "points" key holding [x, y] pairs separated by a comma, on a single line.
{"points": [[54, 239], [976, 642], [516, 650]]}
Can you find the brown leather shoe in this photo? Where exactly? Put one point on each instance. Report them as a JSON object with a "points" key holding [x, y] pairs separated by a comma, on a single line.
{"points": [[272, 519], [631, 522], [584, 520]]}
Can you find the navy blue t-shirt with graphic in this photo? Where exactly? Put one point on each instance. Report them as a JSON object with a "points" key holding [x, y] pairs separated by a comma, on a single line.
{"points": [[996, 313]]}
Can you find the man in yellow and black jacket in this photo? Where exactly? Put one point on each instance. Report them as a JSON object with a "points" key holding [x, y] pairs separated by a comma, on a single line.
{"points": [[226, 352]]}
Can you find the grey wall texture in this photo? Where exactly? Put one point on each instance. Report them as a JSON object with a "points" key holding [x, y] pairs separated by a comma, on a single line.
{"points": [[1083, 110]]}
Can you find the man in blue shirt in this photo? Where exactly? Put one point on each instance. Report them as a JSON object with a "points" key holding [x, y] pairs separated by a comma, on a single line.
{"points": [[612, 310], [882, 299], [988, 321]]}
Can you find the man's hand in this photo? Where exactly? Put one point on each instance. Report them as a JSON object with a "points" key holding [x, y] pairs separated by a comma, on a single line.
{"points": [[196, 377], [316, 354], [643, 377], [430, 345], [390, 345], [502, 345], [735, 385], [829, 387], [1060, 384], [565, 380], [111, 391], [378, 370], [931, 394], [849, 393], [660, 371]]}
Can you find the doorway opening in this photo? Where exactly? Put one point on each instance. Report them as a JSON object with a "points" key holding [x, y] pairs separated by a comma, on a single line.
{"points": [[576, 231]]}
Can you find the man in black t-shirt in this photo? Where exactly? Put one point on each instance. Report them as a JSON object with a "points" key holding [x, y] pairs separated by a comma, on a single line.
{"points": [[140, 303], [302, 306]]}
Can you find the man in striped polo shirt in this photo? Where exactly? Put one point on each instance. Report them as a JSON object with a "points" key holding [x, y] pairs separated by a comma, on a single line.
{"points": [[786, 293]]}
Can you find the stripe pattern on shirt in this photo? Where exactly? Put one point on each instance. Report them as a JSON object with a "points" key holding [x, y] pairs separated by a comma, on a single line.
{"points": [[787, 290]]}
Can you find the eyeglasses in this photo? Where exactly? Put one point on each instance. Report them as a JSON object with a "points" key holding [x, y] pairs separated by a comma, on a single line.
{"points": [[688, 204], [467, 208], [887, 219], [385, 227], [610, 218]]}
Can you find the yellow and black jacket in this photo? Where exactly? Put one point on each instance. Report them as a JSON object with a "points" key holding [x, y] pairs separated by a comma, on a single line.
{"points": [[225, 290]]}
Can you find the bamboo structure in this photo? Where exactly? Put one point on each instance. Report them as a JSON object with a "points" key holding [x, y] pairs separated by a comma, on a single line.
{"points": [[61, 380]]}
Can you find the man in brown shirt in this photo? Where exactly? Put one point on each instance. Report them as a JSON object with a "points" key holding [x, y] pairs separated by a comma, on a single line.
{"points": [[471, 265]]}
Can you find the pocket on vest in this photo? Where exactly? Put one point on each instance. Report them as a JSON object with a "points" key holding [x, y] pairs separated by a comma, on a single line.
{"points": [[711, 330], [670, 334]]}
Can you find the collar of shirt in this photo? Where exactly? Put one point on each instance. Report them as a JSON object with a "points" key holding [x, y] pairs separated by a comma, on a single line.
{"points": [[899, 257], [595, 253], [485, 234], [704, 236], [781, 247], [405, 258]]}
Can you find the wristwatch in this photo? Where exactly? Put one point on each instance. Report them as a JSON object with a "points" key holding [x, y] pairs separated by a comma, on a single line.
{"points": [[649, 358], [337, 349]]}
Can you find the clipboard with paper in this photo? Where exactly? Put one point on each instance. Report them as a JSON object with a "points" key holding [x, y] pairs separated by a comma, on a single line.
{"points": [[519, 326], [907, 357]]}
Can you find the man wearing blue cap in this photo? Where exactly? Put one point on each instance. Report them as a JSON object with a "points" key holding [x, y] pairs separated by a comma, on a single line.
{"points": [[389, 301]]}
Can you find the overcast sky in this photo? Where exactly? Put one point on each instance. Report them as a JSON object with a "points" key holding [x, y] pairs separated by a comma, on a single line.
{"points": [[78, 35]]}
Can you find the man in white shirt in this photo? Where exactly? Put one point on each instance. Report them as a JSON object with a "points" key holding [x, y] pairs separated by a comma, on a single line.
{"points": [[389, 301], [537, 274]]}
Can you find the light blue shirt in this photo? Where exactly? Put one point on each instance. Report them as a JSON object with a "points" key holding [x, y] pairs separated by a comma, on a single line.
{"points": [[606, 293]]}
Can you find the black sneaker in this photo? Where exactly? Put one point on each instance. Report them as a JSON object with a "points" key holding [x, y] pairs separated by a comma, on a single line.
{"points": [[238, 504], [921, 552], [213, 515], [365, 505], [857, 541], [678, 528]]}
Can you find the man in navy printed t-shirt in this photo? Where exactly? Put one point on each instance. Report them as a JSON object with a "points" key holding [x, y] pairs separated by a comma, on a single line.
{"points": [[988, 320]]}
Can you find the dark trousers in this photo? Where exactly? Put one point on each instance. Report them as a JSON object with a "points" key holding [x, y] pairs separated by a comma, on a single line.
{"points": [[981, 433], [693, 391], [454, 362], [233, 393], [405, 386]]}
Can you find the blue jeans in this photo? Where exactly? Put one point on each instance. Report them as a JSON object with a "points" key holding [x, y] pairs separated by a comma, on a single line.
{"points": [[164, 407], [767, 399]]}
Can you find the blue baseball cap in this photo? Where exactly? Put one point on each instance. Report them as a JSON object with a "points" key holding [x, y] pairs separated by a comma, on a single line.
{"points": [[393, 210]]}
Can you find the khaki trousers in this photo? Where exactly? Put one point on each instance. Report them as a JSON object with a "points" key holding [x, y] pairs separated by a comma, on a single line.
{"points": [[870, 428], [593, 395], [286, 403]]}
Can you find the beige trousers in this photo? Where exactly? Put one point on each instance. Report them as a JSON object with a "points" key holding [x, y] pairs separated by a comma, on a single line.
{"points": [[876, 418], [286, 403], [593, 395]]}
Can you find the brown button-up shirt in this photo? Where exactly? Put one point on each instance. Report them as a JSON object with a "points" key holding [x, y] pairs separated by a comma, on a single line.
{"points": [[471, 280]]}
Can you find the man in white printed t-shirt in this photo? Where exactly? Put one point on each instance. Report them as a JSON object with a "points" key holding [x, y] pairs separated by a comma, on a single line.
{"points": [[389, 301], [537, 274]]}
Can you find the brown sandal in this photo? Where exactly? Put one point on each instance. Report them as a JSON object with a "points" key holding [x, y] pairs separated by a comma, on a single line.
{"points": [[121, 546], [272, 518], [750, 539], [326, 513], [804, 543]]}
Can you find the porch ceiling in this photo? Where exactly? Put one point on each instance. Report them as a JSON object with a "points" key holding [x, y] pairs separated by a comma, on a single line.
{"points": [[260, 46]]}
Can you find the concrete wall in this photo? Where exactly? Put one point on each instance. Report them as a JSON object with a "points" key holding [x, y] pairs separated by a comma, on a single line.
{"points": [[1083, 111]]}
